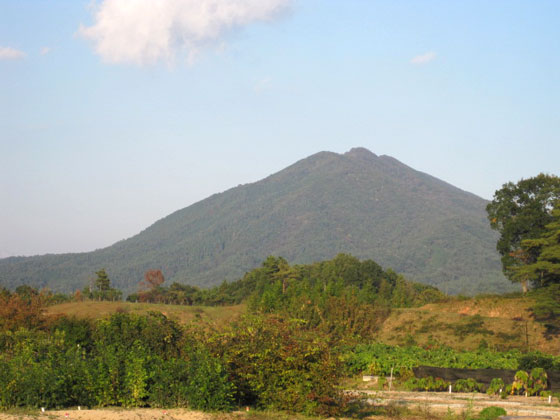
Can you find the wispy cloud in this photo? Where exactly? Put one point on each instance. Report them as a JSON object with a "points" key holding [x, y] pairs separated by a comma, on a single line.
{"points": [[45, 50], [7, 53], [148, 31], [424, 58]]}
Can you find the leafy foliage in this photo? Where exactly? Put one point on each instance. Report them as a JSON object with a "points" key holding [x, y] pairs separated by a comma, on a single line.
{"points": [[342, 297], [491, 413], [277, 365], [544, 268], [379, 359], [125, 360], [521, 212], [427, 384], [21, 312], [496, 386], [134, 361], [547, 308], [467, 385]]}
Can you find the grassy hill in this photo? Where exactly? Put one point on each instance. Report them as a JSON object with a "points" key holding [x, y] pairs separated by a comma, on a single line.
{"points": [[358, 203], [503, 323], [218, 315]]}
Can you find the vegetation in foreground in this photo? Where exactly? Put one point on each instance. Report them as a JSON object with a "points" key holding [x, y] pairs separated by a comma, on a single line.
{"points": [[290, 352]]}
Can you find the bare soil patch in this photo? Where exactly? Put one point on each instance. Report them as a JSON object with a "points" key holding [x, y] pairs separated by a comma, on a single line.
{"points": [[441, 402]]}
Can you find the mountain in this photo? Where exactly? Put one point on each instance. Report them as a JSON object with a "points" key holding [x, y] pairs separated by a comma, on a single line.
{"points": [[358, 203]]}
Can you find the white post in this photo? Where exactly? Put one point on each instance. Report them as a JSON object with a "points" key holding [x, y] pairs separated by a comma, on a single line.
{"points": [[550, 399], [450, 389]]}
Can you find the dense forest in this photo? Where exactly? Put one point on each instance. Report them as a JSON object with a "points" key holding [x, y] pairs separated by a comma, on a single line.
{"points": [[373, 207]]}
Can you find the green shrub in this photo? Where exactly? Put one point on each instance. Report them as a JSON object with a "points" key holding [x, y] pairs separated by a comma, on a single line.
{"points": [[275, 364], [427, 384], [207, 386], [538, 359], [382, 358], [495, 386], [38, 370], [520, 383], [491, 413], [538, 381], [130, 361], [467, 385]]}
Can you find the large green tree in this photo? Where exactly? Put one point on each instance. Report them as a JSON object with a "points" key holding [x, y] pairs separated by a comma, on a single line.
{"points": [[545, 270], [519, 212]]}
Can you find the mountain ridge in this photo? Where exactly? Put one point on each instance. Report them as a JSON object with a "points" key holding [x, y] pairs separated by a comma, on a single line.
{"points": [[357, 202]]}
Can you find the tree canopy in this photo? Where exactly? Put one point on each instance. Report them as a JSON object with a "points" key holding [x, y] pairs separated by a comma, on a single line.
{"points": [[102, 282], [521, 212], [545, 269]]}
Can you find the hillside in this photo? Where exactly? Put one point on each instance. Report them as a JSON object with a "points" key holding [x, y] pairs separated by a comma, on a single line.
{"points": [[498, 322], [503, 323], [217, 315], [359, 203]]}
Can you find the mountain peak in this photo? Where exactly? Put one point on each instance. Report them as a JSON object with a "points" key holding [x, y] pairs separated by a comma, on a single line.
{"points": [[360, 152], [354, 202]]}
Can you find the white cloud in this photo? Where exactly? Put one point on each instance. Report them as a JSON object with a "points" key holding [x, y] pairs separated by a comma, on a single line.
{"points": [[147, 31], [7, 53], [45, 50], [424, 58]]}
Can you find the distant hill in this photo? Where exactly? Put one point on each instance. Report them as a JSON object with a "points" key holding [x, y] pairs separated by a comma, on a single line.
{"points": [[358, 203]]}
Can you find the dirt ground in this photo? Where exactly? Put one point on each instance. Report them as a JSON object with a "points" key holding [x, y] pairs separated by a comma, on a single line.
{"points": [[442, 402], [416, 405], [115, 414]]}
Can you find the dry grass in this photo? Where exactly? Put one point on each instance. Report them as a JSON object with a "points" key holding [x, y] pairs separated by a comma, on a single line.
{"points": [[507, 323], [183, 314]]}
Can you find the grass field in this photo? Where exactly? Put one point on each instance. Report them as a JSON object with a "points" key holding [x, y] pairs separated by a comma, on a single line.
{"points": [[464, 324], [218, 315], [500, 322]]}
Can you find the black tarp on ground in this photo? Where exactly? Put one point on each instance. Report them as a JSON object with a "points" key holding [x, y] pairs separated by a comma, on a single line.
{"points": [[483, 376]]}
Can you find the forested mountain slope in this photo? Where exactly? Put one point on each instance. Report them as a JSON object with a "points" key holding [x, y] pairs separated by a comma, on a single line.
{"points": [[358, 203]]}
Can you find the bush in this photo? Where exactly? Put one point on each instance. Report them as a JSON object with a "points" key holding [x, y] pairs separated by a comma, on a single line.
{"points": [[207, 386], [427, 384], [538, 381], [520, 383], [275, 364], [38, 370], [467, 385], [491, 413], [130, 361], [538, 360], [496, 386]]}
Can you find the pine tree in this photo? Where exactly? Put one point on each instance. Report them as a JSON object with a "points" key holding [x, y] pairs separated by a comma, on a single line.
{"points": [[545, 270], [102, 282]]}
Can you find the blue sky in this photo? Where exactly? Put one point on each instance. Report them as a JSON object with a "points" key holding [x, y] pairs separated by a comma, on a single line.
{"points": [[106, 125]]}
